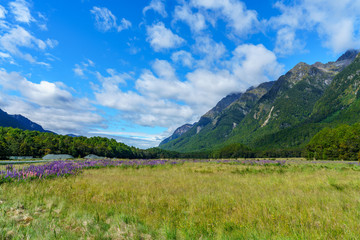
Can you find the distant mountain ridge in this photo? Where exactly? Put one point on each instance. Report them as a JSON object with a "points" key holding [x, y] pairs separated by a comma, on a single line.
{"points": [[282, 114], [220, 120], [19, 121], [177, 133]]}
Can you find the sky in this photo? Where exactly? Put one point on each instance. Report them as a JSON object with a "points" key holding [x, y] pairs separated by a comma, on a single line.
{"points": [[137, 70]]}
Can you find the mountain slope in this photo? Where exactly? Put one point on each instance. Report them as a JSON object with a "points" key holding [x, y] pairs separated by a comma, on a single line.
{"points": [[286, 115], [341, 94], [215, 126], [340, 104], [18, 121], [177, 133], [289, 102]]}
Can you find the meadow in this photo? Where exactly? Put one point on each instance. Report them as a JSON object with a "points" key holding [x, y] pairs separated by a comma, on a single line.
{"points": [[187, 200]]}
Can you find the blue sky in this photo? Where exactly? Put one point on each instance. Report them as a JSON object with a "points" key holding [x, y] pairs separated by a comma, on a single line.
{"points": [[137, 70]]}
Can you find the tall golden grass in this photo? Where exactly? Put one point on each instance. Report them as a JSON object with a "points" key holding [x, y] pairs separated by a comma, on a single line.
{"points": [[189, 201]]}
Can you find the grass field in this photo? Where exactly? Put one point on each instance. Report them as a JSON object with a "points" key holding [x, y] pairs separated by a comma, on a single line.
{"points": [[206, 200]]}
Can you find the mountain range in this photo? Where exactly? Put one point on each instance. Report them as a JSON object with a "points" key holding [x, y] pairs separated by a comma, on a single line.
{"points": [[19, 121], [283, 114]]}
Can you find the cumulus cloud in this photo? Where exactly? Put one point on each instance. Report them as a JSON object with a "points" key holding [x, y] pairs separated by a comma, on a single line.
{"points": [[17, 38], [157, 6], [161, 38], [142, 110], [241, 20], [43, 93], [105, 20], [113, 77], [336, 22], [210, 51], [146, 107], [286, 42], [21, 11], [161, 99], [196, 21], [183, 57], [255, 64], [46, 103]]}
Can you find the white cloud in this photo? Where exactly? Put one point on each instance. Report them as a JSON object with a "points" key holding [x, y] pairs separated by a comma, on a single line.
{"points": [[51, 43], [286, 42], [4, 25], [4, 55], [43, 93], [211, 51], [125, 24], [79, 71], [161, 38], [3, 12], [62, 121], [241, 20], [196, 21], [156, 5], [336, 22], [165, 86], [255, 64], [105, 20], [161, 99], [82, 68], [114, 78], [18, 37], [148, 107], [21, 11], [183, 57], [46, 103], [141, 109]]}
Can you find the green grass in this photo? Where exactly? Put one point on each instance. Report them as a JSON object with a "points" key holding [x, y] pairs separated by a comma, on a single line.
{"points": [[189, 201]]}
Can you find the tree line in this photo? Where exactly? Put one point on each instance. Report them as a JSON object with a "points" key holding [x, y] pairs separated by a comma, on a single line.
{"points": [[340, 143], [17, 142]]}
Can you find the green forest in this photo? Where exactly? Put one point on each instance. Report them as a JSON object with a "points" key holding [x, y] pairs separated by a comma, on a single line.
{"points": [[16, 142], [342, 143]]}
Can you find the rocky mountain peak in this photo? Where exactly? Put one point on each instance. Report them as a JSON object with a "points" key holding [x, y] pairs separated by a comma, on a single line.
{"points": [[299, 67], [348, 55], [298, 72]]}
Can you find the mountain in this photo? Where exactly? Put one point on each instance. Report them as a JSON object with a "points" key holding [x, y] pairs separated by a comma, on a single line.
{"points": [[211, 114], [18, 121], [217, 124], [338, 105], [177, 133], [283, 114]]}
